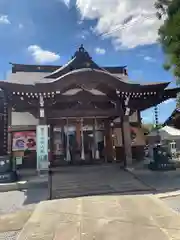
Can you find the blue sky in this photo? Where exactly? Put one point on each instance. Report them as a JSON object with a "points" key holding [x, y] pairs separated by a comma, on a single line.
{"points": [[115, 32]]}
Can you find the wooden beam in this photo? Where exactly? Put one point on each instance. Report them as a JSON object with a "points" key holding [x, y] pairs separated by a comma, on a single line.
{"points": [[81, 96], [82, 113]]}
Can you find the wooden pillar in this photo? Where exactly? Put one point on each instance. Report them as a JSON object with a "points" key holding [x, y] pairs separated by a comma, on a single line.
{"points": [[94, 139], [9, 129], [96, 150], [126, 136], [82, 141], [51, 143], [78, 133], [68, 155], [108, 140], [5, 119], [63, 137]]}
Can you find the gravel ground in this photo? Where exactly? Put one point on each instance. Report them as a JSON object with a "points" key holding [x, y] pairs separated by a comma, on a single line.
{"points": [[16, 200], [9, 235]]}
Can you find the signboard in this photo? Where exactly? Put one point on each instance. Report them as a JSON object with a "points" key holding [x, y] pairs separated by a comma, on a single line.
{"points": [[19, 160], [24, 140], [42, 147]]}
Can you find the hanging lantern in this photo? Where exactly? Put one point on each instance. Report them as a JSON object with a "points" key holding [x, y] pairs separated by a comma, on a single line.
{"points": [[156, 116], [156, 121]]}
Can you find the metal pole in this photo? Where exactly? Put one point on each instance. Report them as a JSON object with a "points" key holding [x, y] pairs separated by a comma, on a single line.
{"points": [[50, 173]]}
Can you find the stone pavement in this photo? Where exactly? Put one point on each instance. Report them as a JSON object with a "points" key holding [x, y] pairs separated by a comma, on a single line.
{"points": [[94, 203], [162, 182], [94, 180], [103, 217]]}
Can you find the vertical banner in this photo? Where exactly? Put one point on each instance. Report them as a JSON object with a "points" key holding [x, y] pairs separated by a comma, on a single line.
{"points": [[42, 147]]}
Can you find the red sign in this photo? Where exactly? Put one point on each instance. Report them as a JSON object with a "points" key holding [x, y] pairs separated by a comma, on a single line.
{"points": [[24, 140]]}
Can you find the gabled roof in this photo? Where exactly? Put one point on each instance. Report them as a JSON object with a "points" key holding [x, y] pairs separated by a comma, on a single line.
{"points": [[171, 119], [81, 59], [83, 73], [18, 67], [166, 132]]}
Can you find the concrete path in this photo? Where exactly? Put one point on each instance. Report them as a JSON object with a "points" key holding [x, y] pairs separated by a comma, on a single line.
{"points": [[103, 217]]}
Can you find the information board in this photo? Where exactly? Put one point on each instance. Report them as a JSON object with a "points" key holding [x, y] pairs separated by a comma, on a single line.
{"points": [[42, 147]]}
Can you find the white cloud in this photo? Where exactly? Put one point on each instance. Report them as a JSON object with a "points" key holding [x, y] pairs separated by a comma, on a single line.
{"points": [[129, 23], [42, 56], [4, 19], [149, 59], [66, 2], [79, 22], [100, 51]]}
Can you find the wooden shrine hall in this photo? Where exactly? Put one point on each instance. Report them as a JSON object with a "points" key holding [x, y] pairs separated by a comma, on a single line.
{"points": [[93, 111]]}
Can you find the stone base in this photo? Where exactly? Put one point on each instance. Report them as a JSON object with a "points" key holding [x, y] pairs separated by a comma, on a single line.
{"points": [[162, 167], [8, 177]]}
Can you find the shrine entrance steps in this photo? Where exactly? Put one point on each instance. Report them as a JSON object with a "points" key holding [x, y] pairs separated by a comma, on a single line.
{"points": [[93, 180], [79, 162]]}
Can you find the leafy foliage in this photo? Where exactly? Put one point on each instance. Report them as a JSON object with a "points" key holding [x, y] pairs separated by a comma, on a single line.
{"points": [[169, 34], [161, 6], [148, 127]]}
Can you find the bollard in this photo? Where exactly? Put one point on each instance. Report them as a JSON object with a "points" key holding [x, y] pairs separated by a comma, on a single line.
{"points": [[50, 173]]}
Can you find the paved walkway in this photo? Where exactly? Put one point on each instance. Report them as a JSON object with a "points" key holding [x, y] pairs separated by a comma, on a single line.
{"points": [[162, 182], [94, 180], [94, 202], [103, 217]]}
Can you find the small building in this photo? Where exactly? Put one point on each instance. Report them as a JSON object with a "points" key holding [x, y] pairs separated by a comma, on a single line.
{"points": [[174, 119], [93, 112]]}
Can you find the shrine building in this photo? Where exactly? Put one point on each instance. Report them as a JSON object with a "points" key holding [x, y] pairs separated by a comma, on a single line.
{"points": [[93, 112]]}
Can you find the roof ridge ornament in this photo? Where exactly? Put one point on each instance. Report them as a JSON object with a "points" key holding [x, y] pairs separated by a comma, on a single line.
{"points": [[81, 48]]}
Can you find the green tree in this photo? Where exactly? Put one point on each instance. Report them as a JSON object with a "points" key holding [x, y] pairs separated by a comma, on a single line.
{"points": [[161, 6], [148, 127], [169, 34]]}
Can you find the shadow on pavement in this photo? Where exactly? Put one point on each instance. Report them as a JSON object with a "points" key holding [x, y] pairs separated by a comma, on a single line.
{"points": [[34, 196]]}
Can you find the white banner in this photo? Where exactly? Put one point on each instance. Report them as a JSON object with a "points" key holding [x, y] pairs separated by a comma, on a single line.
{"points": [[42, 147]]}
